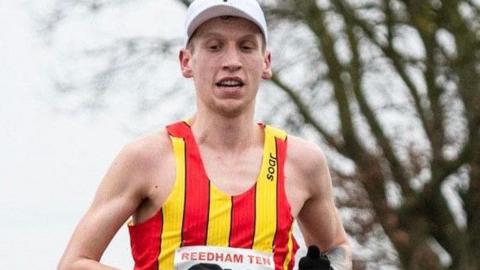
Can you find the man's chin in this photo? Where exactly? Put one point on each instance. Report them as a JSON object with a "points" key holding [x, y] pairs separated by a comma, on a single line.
{"points": [[231, 110]]}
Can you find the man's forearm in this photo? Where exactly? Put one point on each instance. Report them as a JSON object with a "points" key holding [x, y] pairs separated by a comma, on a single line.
{"points": [[340, 257]]}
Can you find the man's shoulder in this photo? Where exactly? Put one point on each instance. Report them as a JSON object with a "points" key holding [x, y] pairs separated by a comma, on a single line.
{"points": [[147, 151], [305, 155]]}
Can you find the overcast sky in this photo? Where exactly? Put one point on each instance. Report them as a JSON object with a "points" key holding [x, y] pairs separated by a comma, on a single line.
{"points": [[51, 162]]}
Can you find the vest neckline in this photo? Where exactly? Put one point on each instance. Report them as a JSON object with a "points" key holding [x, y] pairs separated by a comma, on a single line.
{"points": [[262, 168]]}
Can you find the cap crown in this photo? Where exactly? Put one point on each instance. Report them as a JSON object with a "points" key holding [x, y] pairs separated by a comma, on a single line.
{"points": [[201, 11]]}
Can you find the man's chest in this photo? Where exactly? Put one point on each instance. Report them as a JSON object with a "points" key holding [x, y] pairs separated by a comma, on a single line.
{"points": [[232, 175]]}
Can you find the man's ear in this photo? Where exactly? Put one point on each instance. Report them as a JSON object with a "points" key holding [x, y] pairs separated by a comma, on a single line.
{"points": [[185, 57], [267, 65]]}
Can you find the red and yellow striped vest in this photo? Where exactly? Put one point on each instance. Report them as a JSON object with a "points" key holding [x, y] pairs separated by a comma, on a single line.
{"points": [[198, 213]]}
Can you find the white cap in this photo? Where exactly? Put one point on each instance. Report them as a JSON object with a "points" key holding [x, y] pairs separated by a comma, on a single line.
{"points": [[202, 10]]}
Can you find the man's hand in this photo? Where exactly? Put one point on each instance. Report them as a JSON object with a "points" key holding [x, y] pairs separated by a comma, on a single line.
{"points": [[315, 260]]}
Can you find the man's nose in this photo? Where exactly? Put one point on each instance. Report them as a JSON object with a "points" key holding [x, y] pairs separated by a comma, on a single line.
{"points": [[231, 59]]}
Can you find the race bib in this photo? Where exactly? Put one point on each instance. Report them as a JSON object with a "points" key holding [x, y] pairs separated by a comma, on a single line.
{"points": [[221, 258]]}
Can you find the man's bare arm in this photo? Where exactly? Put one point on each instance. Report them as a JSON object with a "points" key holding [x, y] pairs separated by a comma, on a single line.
{"points": [[334, 244], [115, 201], [318, 218]]}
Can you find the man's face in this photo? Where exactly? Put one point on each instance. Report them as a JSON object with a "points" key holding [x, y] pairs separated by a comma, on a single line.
{"points": [[227, 62]]}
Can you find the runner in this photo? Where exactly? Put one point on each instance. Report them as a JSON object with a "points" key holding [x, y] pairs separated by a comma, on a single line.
{"points": [[216, 190]]}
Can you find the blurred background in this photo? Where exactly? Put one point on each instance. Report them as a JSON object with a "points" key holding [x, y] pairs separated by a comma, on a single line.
{"points": [[390, 89]]}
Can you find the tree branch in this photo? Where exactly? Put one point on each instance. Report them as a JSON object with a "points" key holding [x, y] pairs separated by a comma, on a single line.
{"points": [[315, 19], [306, 113], [396, 167], [185, 2], [397, 62], [424, 20]]}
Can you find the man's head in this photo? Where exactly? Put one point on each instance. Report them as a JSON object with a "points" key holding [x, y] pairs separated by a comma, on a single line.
{"points": [[225, 55]]}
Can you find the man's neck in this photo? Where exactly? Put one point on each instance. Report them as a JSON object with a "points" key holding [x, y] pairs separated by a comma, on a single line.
{"points": [[219, 132]]}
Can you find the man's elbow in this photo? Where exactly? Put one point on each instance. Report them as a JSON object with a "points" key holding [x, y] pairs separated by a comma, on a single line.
{"points": [[69, 263]]}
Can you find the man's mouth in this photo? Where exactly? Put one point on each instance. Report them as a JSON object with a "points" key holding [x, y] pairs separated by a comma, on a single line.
{"points": [[231, 82]]}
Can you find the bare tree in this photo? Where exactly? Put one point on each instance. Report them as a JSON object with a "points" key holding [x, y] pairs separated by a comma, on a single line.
{"points": [[392, 89], [360, 42]]}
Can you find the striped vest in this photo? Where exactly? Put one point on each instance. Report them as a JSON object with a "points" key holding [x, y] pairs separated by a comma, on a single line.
{"points": [[197, 213]]}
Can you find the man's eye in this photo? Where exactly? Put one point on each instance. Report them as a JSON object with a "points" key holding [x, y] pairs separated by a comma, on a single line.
{"points": [[214, 47], [247, 47]]}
